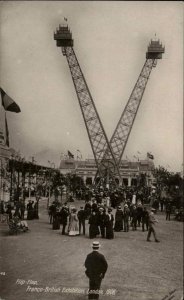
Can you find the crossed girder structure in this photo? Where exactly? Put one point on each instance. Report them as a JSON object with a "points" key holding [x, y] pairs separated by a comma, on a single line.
{"points": [[106, 166], [107, 154]]}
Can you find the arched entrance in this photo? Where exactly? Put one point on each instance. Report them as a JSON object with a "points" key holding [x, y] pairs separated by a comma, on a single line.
{"points": [[125, 181], [89, 181]]}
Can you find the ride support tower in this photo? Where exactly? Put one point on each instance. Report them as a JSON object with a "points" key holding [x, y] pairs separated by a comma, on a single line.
{"points": [[107, 166], [122, 131]]}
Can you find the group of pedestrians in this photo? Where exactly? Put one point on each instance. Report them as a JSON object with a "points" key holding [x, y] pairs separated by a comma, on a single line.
{"points": [[14, 215], [32, 209], [134, 216], [102, 221], [131, 216], [19, 208]]}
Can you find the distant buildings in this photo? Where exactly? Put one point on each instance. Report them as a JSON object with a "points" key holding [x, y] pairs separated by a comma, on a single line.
{"points": [[130, 171]]}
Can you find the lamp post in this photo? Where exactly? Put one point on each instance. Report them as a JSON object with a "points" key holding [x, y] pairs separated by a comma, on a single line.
{"points": [[49, 187], [29, 186], [3, 179], [23, 178], [18, 177], [11, 163], [30, 172], [29, 179]]}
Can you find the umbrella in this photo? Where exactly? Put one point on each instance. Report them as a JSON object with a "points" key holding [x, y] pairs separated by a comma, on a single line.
{"points": [[8, 103]]}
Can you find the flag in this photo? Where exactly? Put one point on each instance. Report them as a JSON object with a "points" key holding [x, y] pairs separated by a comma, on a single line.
{"points": [[66, 19], [8, 103], [149, 155], [70, 155]]}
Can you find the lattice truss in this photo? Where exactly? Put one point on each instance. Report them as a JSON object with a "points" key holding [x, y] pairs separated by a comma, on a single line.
{"points": [[107, 154], [96, 133], [124, 126]]}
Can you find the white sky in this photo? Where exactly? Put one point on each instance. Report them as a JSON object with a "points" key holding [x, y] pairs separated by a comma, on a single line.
{"points": [[110, 41]]}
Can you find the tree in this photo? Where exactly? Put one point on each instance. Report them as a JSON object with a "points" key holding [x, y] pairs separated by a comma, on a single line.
{"points": [[56, 183], [172, 183], [74, 182], [162, 178]]}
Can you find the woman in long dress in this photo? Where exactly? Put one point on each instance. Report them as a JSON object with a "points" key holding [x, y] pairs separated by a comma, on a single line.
{"points": [[73, 227], [118, 219], [109, 224], [93, 225]]}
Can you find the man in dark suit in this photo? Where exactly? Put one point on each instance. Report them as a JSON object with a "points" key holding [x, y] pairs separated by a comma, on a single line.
{"points": [[168, 211], [81, 216], [145, 219], [96, 267], [64, 212], [101, 221]]}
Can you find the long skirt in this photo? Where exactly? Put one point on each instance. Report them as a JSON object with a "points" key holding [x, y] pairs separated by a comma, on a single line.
{"points": [[118, 225], [56, 223], [73, 228], [93, 231], [30, 214], [109, 232]]}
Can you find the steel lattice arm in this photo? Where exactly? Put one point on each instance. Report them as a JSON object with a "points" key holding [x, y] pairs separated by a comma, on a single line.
{"points": [[106, 166], [124, 126], [120, 136]]}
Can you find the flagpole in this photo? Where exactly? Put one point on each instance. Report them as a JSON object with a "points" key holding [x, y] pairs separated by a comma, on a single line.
{"points": [[7, 131], [2, 111]]}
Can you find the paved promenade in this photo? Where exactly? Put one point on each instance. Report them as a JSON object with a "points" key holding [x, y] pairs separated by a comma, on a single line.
{"points": [[42, 264]]}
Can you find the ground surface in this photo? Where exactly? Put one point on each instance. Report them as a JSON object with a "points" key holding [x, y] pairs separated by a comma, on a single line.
{"points": [[42, 264]]}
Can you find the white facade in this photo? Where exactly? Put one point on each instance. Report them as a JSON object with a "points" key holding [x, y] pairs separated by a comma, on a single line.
{"points": [[129, 171]]}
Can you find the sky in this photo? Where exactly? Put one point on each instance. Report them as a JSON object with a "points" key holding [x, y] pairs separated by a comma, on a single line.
{"points": [[110, 41]]}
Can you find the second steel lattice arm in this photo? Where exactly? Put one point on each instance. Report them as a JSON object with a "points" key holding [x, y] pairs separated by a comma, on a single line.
{"points": [[120, 136]]}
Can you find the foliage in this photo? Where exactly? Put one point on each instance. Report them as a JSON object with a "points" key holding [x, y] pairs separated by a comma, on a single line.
{"points": [[142, 180], [57, 180], [74, 182], [172, 183]]}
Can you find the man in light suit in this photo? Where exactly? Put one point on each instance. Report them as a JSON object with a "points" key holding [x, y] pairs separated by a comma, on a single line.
{"points": [[96, 267], [151, 226]]}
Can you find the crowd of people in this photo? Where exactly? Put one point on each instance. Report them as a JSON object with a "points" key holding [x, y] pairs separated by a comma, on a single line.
{"points": [[15, 213], [103, 211], [104, 216], [19, 208]]}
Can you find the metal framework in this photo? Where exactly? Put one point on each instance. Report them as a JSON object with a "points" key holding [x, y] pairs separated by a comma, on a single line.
{"points": [[107, 154], [120, 136], [107, 166]]}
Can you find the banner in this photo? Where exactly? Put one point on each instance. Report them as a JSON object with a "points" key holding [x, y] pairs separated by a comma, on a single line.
{"points": [[70, 155]]}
